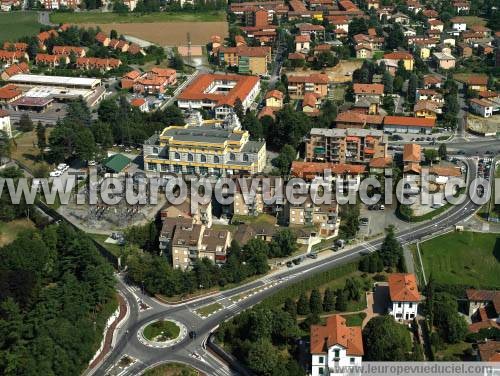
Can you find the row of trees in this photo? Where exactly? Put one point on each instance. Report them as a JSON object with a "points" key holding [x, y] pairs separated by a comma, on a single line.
{"points": [[56, 293]]}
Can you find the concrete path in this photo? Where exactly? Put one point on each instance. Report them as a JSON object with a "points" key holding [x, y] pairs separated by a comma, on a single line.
{"points": [[410, 266]]}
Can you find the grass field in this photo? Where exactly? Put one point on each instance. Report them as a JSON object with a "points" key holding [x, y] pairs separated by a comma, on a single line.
{"points": [[161, 331], [25, 149], [9, 230], [474, 20], [14, 25], [209, 309], [463, 258], [106, 18], [172, 370]]}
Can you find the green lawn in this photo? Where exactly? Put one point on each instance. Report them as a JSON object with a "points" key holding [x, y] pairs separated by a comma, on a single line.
{"points": [[172, 369], [209, 309], [9, 230], [463, 258], [161, 331], [355, 319], [103, 18], [14, 25], [115, 249]]}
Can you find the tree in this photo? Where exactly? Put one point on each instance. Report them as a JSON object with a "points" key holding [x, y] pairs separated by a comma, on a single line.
{"points": [[284, 160], [262, 358], [352, 289], [388, 104], [442, 152], [391, 251], [41, 137], [329, 300], [290, 307], [386, 340], [239, 109], [5, 145], [253, 125], [412, 88], [303, 305], [113, 34], [388, 82], [349, 220], [315, 304], [283, 244], [340, 300], [176, 62], [395, 38], [452, 327], [430, 155], [25, 123]]}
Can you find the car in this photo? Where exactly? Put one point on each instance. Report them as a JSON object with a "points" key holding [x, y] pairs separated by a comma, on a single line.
{"points": [[55, 173], [297, 261], [91, 163], [62, 166], [364, 221], [58, 109], [192, 334], [127, 150], [289, 264], [312, 255], [381, 207]]}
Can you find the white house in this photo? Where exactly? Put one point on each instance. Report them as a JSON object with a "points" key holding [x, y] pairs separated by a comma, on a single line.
{"points": [[482, 107], [5, 123], [458, 24], [335, 345], [404, 296]]}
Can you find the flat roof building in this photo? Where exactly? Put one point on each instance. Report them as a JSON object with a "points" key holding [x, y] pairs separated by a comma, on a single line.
{"points": [[60, 81]]}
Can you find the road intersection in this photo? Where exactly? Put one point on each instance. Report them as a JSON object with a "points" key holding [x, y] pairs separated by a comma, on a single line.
{"points": [[193, 351]]}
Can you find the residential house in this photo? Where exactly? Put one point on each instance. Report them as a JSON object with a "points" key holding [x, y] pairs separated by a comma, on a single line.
{"points": [[87, 63], [9, 93], [302, 43], [15, 46], [394, 57], [483, 107], [444, 60], [200, 214], [335, 345], [156, 81], [102, 39], [464, 50], [13, 57], [368, 91], [274, 99], [363, 51], [311, 104], [436, 25], [405, 124], [489, 351], [375, 42], [14, 69], [67, 50], [267, 111], [426, 109], [461, 7], [322, 216], [345, 145], [52, 61], [430, 13], [119, 45], [458, 24], [339, 22], [484, 309], [5, 123], [477, 82], [432, 81], [298, 86], [129, 78], [404, 296], [486, 32], [431, 95], [373, 4], [311, 29], [400, 18], [140, 103], [359, 119]]}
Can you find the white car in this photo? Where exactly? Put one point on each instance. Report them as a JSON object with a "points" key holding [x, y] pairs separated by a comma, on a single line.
{"points": [[62, 166], [56, 173], [91, 163]]}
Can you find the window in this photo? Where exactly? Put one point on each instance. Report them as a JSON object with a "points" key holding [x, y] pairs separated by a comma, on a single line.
{"points": [[203, 158], [203, 170], [321, 360], [177, 156], [190, 169], [216, 159], [336, 353], [245, 157], [232, 156], [164, 167], [399, 304], [321, 371], [155, 150], [190, 157], [410, 305], [351, 360], [177, 169]]}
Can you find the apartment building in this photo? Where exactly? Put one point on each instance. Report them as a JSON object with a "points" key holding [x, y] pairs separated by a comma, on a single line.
{"points": [[156, 81], [324, 217], [185, 241], [253, 60], [219, 93], [214, 148], [298, 86], [345, 145]]}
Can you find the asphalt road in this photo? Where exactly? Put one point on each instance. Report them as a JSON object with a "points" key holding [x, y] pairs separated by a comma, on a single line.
{"points": [[128, 343]]}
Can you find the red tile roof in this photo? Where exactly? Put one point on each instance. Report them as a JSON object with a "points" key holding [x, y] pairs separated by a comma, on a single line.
{"points": [[274, 94], [478, 79], [358, 118], [137, 102], [17, 69], [309, 100], [16, 46], [489, 351], [195, 90], [3, 113], [409, 121], [66, 50], [302, 38], [403, 288], [11, 55], [412, 153], [377, 89], [296, 56], [9, 91], [398, 56], [312, 78], [336, 332], [380, 162], [308, 170]]}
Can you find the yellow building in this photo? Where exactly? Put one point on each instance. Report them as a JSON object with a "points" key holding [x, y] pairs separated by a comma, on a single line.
{"points": [[206, 149], [274, 99], [406, 57], [425, 53], [254, 60], [425, 109]]}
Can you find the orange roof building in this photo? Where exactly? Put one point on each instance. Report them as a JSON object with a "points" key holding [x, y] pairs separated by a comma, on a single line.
{"points": [[406, 124], [67, 50], [311, 170], [9, 93], [87, 63], [219, 92], [14, 69], [412, 153], [335, 344], [370, 89], [404, 296]]}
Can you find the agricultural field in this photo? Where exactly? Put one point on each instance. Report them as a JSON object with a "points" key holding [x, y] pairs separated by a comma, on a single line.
{"points": [[14, 25], [167, 33], [463, 258]]}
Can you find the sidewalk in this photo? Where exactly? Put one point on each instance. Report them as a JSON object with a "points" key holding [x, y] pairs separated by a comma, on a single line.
{"points": [[109, 335]]}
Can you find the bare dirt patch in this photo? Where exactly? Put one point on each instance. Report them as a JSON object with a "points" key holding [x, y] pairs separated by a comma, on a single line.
{"points": [[341, 73], [168, 33]]}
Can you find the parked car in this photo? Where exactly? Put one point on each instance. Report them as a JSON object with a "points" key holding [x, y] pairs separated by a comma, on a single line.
{"points": [[55, 173]]}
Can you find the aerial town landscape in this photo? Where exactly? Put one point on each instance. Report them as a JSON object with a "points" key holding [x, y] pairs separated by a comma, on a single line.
{"points": [[275, 187]]}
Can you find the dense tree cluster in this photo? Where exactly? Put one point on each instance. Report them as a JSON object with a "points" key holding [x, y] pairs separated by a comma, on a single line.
{"points": [[386, 340], [391, 251], [56, 293], [255, 337], [451, 326]]}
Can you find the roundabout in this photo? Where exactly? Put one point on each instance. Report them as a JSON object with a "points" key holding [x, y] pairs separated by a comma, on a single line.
{"points": [[162, 333]]}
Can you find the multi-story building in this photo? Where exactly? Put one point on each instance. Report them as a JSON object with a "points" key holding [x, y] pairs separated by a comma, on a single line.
{"points": [[345, 145], [404, 296], [215, 148], [322, 216], [252, 60], [335, 345], [156, 81], [57, 4], [219, 93], [298, 86], [185, 242]]}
